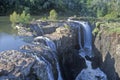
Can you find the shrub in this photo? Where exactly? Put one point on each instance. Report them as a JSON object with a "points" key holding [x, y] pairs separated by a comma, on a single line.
{"points": [[66, 26], [111, 15], [52, 15], [20, 18], [24, 17], [14, 17]]}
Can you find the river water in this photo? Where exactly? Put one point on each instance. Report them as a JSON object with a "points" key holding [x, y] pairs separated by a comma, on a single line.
{"points": [[8, 36]]}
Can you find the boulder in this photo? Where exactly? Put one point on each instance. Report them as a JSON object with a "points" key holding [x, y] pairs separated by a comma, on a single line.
{"points": [[31, 63]]}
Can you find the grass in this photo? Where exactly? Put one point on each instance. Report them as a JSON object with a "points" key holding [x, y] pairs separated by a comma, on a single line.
{"points": [[113, 30], [111, 27]]}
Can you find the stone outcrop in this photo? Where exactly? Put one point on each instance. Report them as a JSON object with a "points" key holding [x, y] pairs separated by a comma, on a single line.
{"points": [[28, 64], [62, 33], [37, 61], [107, 49]]}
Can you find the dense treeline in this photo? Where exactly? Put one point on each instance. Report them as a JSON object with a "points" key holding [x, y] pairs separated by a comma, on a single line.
{"points": [[96, 8]]}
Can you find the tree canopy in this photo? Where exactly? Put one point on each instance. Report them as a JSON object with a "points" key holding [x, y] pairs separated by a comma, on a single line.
{"points": [[95, 8]]}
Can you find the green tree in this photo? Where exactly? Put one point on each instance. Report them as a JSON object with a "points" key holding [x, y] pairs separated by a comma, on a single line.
{"points": [[52, 15], [20, 18]]}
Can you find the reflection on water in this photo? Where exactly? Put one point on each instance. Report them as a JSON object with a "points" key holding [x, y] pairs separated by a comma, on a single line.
{"points": [[8, 38], [9, 42]]}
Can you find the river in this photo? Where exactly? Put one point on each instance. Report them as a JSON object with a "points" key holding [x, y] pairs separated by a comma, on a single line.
{"points": [[8, 36]]}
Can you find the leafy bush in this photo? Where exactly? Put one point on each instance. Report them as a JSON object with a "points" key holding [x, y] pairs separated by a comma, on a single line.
{"points": [[14, 17], [24, 17], [66, 26], [44, 18], [52, 15], [20, 18], [112, 15]]}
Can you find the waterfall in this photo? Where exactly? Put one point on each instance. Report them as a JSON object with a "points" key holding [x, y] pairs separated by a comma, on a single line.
{"points": [[52, 46], [87, 36], [91, 74], [49, 67], [88, 73], [79, 38]]}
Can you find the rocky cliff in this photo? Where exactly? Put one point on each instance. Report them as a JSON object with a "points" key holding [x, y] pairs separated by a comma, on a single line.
{"points": [[107, 48], [37, 61]]}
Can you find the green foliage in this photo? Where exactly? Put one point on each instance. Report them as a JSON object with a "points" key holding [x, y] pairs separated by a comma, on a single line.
{"points": [[66, 26], [95, 31], [111, 15], [52, 15], [109, 28], [14, 17], [87, 8], [20, 18], [24, 17], [43, 18], [113, 30]]}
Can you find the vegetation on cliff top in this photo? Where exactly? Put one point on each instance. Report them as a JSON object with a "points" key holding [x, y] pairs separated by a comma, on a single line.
{"points": [[93, 8], [107, 27]]}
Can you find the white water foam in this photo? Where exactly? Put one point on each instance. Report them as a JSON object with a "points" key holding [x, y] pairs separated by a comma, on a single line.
{"points": [[91, 74], [88, 73], [49, 67], [52, 46], [87, 36]]}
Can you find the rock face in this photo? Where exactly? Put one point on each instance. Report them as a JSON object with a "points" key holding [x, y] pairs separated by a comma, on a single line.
{"points": [[107, 48], [71, 64], [29, 64], [37, 61], [62, 33]]}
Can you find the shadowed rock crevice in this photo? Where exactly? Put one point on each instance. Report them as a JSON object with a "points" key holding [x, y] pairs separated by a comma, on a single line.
{"points": [[106, 47], [71, 64]]}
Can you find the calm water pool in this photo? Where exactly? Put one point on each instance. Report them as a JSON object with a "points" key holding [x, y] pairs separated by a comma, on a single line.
{"points": [[8, 37]]}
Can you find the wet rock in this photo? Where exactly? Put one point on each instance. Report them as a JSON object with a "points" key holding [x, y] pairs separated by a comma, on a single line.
{"points": [[64, 35], [60, 32], [23, 30], [64, 38], [31, 63], [91, 74]]}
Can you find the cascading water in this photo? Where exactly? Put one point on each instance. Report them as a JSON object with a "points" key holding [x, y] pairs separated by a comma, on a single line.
{"points": [[52, 46], [88, 73], [79, 38], [49, 67], [87, 36]]}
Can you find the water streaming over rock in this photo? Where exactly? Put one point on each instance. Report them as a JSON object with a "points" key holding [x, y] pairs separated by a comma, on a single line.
{"points": [[87, 36], [52, 46], [49, 67], [79, 38], [88, 73]]}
